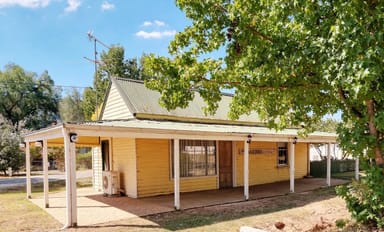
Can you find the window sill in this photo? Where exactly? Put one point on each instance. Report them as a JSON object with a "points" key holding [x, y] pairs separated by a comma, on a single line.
{"points": [[282, 166], [196, 177]]}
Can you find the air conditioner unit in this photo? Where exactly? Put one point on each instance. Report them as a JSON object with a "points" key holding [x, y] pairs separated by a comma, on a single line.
{"points": [[111, 183]]}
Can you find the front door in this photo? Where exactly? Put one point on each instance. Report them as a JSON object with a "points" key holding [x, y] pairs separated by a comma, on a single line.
{"points": [[225, 164]]}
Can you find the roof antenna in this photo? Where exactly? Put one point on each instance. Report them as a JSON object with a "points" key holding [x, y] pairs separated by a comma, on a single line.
{"points": [[95, 40]]}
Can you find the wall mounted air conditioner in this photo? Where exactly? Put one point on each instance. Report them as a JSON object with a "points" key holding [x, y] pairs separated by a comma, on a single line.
{"points": [[111, 183]]}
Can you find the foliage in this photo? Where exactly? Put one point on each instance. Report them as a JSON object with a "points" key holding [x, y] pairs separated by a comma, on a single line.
{"points": [[112, 64], [292, 62], [10, 154], [327, 125], [365, 199], [27, 100], [70, 107], [84, 160]]}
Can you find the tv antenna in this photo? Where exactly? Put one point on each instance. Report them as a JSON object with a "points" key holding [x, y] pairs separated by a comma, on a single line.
{"points": [[96, 62]]}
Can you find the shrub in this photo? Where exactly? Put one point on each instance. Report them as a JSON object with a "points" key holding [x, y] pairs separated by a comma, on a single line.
{"points": [[365, 198]]}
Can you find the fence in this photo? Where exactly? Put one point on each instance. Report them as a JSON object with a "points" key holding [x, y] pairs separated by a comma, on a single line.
{"points": [[319, 168]]}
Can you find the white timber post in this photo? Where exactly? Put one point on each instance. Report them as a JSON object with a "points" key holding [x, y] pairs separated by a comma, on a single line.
{"points": [[329, 165], [246, 168], [45, 171], [176, 172], [28, 168], [357, 168], [308, 159], [292, 165], [70, 179]]}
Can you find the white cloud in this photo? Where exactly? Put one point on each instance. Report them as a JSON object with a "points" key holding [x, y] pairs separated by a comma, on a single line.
{"points": [[147, 24], [159, 23], [107, 6], [155, 34], [24, 3], [73, 5], [155, 22]]}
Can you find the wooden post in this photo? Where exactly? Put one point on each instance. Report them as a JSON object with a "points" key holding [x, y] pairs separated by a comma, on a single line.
{"points": [[357, 168], [45, 171], [28, 169], [246, 169], [70, 180], [292, 167], [176, 172], [329, 165]]}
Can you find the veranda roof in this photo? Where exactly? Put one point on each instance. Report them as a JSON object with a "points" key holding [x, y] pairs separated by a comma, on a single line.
{"points": [[136, 128]]}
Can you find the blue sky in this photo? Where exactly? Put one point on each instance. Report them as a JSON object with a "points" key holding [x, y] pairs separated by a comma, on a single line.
{"points": [[52, 34]]}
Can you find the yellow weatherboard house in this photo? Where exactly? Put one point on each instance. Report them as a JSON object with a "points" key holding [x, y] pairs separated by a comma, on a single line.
{"points": [[141, 149]]}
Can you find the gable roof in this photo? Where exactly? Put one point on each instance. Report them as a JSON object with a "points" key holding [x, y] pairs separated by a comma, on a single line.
{"points": [[127, 98]]}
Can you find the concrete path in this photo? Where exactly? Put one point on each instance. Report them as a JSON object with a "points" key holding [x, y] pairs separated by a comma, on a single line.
{"points": [[89, 212], [94, 208]]}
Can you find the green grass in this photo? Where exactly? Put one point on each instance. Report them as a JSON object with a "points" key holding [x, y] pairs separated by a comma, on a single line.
{"points": [[19, 214]]}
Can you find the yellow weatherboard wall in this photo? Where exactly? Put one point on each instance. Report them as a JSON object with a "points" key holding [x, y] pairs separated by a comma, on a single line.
{"points": [[124, 161], [153, 170], [263, 168]]}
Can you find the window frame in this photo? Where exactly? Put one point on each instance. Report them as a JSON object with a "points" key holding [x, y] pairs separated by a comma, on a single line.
{"points": [[207, 164], [286, 150]]}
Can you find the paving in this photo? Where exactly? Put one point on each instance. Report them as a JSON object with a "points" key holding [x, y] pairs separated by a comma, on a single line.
{"points": [[94, 208]]}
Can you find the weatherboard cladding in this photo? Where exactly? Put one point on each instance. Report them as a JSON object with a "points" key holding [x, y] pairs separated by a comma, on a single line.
{"points": [[144, 102]]}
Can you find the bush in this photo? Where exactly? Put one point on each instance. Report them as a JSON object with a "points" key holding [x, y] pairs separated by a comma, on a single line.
{"points": [[10, 154], [365, 198], [84, 160]]}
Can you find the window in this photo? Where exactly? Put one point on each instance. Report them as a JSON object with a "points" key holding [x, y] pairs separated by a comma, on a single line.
{"points": [[282, 149], [197, 158]]}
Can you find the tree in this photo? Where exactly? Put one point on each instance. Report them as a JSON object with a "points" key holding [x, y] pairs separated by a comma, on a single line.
{"points": [[112, 64], [70, 107], [27, 100], [292, 62], [10, 154], [327, 125]]}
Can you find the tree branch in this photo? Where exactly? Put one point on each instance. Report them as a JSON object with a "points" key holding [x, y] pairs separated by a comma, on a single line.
{"points": [[373, 131], [261, 87], [258, 33], [352, 109]]}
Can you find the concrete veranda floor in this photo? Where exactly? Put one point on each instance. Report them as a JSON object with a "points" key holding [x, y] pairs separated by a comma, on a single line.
{"points": [[94, 208]]}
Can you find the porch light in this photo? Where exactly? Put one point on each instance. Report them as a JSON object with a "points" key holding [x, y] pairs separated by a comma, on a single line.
{"points": [[22, 145], [294, 140], [39, 143], [73, 137], [249, 138]]}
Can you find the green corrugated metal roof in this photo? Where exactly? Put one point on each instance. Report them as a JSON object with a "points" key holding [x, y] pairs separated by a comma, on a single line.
{"points": [[145, 104]]}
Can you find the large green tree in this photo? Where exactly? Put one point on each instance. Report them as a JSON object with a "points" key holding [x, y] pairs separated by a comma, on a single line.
{"points": [[28, 100], [70, 107], [112, 64], [292, 62], [10, 154]]}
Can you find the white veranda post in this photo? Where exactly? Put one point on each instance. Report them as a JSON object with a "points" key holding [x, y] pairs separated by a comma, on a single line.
{"points": [[70, 180], [329, 165], [28, 168], [292, 165], [45, 170], [246, 169], [176, 172]]}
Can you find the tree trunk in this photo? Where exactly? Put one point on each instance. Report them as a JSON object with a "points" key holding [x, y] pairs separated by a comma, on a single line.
{"points": [[373, 131]]}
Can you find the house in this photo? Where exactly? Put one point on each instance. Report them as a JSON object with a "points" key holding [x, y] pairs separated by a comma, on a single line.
{"points": [[159, 152]]}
